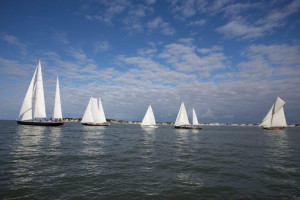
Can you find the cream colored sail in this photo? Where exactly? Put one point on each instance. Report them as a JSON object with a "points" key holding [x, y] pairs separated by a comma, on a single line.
{"points": [[39, 107], [88, 116], [268, 118], [275, 116], [195, 120], [57, 114], [278, 119], [26, 109], [101, 111], [182, 118]]}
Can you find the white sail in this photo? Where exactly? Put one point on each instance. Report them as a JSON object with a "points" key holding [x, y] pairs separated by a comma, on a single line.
{"points": [[278, 119], [195, 120], [27, 103], [266, 122], [95, 111], [88, 116], [182, 118], [57, 114], [27, 115], [152, 118], [146, 119], [149, 118], [39, 107], [101, 111]]}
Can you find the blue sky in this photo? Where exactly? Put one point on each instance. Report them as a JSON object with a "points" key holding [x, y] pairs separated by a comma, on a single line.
{"points": [[227, 59]]}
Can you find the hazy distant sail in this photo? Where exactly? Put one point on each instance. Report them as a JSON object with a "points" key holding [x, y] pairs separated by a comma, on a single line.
{"points": [[182, 118], [57, 114], [39, 108]]}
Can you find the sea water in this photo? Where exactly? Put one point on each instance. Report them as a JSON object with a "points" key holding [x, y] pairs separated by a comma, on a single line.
{"points": [[125, 161]]}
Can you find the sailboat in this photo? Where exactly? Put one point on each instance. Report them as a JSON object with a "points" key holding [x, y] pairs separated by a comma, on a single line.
{"points": [[275, 118], [94, 114], [149, 119], [35, 93]]}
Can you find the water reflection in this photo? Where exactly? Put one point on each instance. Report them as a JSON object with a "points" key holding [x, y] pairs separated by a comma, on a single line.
{"points": [[93, 140], [55, 137], [277, 152], [26, 148]]}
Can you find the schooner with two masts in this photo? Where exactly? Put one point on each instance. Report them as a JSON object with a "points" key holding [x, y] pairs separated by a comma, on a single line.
{"points": [[182, 121], [35, 93]]}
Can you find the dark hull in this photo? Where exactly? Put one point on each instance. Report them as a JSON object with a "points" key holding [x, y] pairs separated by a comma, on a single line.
{"points": [[37, 123], [274, 128], [188, 127], [93, 124]]}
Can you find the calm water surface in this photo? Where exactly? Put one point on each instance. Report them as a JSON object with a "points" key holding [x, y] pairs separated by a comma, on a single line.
{"points": [[128, 162]]}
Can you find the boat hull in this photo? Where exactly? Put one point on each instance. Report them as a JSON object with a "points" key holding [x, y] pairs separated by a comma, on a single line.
{"points": [[95, 124], [188, 127], [38, 123], [274, 128]]}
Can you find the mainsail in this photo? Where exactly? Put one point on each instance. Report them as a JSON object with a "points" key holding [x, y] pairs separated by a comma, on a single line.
{"points": [[182, 118], [57, 114], [39, 107], [195, 120]]}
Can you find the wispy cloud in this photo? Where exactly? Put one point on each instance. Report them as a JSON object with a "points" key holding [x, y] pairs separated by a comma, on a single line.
{"points": [[101, 46], [159, 24], [242, 28], [16, 42]]}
